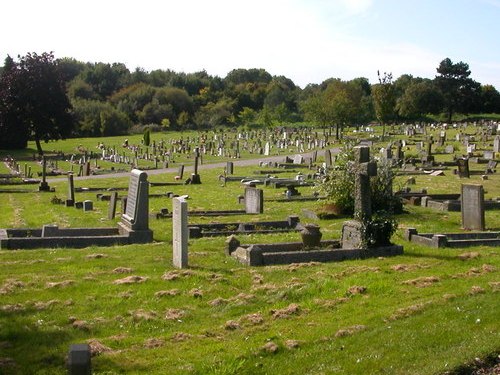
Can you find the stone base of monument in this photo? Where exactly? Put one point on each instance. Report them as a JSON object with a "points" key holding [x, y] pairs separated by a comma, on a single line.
{"points": [[44, 186], [51, 236], [135, 236], [195, 179], [294, 252], [452, 240]]}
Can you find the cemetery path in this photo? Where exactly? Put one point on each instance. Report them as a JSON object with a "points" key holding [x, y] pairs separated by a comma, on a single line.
{"points": [[188, 168]]}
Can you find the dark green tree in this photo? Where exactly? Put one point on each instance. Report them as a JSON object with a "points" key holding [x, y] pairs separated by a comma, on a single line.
{"points": [[490, 99], [384, 99], [460, 92], [419, 99], [34, 99]]}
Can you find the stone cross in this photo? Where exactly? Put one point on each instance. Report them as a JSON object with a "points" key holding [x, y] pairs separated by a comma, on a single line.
{"points": [[363, 170], [44, 186], [195, 177]]}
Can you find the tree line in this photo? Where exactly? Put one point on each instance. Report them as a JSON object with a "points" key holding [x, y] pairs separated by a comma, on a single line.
{"points": [[43, 98]]}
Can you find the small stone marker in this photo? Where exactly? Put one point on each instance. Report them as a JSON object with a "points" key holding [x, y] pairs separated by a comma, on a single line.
{"points": [[463, 168], [267, 149], [195, 177], [70, 201], [88, 205], [298, 159], [254, 200], [44, 186], [79, 360], [180, 232], [472, 204], [112, 205], [229, 167], [328, 158]]}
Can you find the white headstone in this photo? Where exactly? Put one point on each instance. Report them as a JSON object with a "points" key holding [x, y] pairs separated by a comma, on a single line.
{"points": [[180, 232]]}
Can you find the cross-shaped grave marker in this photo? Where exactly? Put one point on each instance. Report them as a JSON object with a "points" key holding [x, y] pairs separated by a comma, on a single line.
{"points": [[363, 169]]}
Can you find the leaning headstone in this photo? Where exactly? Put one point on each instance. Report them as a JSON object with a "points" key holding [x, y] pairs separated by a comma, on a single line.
{"points": [[135, 221], [328, 158], [180, 232], [79, 362], [472, 205], [463, 168], [112, 205], [70, 201], [180, 171], [254, 200], [449, 149]]}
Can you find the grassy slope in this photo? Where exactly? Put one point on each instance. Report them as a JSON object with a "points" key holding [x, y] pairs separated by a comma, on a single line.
{"points": [[427, 311]]}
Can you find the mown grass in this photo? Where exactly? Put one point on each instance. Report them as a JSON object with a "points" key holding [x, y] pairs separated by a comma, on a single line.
{"points": [[427, 311]]}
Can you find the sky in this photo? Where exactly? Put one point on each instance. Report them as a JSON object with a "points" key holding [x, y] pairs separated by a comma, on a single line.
{"points": [[307, 41]]}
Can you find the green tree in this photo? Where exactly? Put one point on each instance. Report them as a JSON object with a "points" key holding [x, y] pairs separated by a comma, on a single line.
{"points": [[419, 99], [34, 99], [384, 99], [490, 99], [460, 92]]}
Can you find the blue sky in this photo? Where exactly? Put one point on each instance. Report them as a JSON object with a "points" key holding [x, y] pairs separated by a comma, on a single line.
{"points": [[305, 40]]}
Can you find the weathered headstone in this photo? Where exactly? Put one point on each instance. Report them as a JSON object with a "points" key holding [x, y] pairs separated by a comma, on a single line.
{"points": [[496, 144], [88, 205], [472, 206], [254, 200], [44, 186], [195, 177], [180, 171], [229, 167], [180, 232], [135, 221], [328, 158], [79, 362], [353, 234], [463, 167], [298, 159], [70, 201], [267, 149], [112, 205]]}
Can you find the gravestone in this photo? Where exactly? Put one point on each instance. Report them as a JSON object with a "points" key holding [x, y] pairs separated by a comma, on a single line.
{"points": [[254, 200], [463, 167], [195, 177], [88, 205], [298, 159], [229, 167], [353, 235], [496, 144], [135, 220], [472, 206], [112, 205], [328, 158], [180, 171], [44, 186], [488, 155], [449, 149], [70, 201], [267, 149], [180, 232], [79, 362]]}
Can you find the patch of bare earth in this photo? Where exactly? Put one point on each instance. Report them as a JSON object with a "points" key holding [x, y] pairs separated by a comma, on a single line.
{"points": [[10, 285], [97, 348], [350, 330], [475, 271], [153, 342], [407, 267], [96, 256], [231, 325], [408, 311], [181, 336], [165, 293], [13, 308], [41, 305], [174, 314], [353, 270], [196, 293], [81, 325], [292, 344], [131, 280], [125, 295], [475, 289], [123, 270], [253, 319], [356, 289], [295, 266], [495, 285], [422, 282], [59, 284], [270, 347], [330, 302], [469, 255], [292, 309], [141, 314], [175, 274]]}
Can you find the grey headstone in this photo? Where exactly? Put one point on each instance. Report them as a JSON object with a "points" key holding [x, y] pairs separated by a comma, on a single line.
{"points": [[496, 144], [463, 168], [70, 201], [472, 205], [229, 167], [136, 214], [180, 232], [298, 159], [112, 205], [328, 158], [79, 362], [254, 200], [88, 205]]}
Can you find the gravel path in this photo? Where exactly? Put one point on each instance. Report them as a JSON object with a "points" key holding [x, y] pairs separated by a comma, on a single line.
{"points": [[221, 165]]}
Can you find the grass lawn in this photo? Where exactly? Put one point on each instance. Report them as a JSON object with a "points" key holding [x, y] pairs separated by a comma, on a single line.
{"points": [[428, 311]]}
